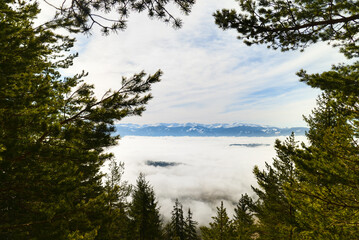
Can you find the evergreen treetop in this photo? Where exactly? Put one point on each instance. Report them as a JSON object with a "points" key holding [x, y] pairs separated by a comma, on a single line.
{"points": [[144, 212], [190, 227], [243, 220], [221, 228], [177, 224]]}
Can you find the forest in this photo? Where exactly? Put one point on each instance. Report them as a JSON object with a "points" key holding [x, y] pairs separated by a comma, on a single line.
{"points": [[54, 131]]}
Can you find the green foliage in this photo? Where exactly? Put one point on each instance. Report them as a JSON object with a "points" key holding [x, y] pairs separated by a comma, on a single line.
{"points": [[221, 228], [294, 24], [78, 236], [180, 228], [53, 132], [177, 224], [112, 15], [243, 219], [190, 227], [144, 213], [276, 215], [324, 189], [111, 208], [342, 79], [326, 196]]}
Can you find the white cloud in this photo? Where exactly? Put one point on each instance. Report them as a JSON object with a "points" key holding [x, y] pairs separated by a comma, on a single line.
{"points": [[209, 76], [210, 170], [206, 71]]}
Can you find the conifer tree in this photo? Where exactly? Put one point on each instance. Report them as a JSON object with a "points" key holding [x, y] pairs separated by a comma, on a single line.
{"points": [[53, 131], [296, 24], [275, 213], [177, 224], [146, 222], [190, 227], [112, 15], [243, 221], [112, 205], [221, 228], [327, 194], [290, 25]]}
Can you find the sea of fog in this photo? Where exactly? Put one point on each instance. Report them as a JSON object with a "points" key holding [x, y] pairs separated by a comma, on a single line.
{"points": [[199, 171]]}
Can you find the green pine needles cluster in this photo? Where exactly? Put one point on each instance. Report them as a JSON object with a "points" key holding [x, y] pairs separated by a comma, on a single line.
{"points": [[54, 131]]}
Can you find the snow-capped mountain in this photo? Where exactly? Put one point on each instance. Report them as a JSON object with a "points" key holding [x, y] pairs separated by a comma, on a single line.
{"points": [[205, 130]]}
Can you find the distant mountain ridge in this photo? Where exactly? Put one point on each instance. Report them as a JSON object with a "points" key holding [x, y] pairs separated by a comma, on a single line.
{"points": [[205, 130]]}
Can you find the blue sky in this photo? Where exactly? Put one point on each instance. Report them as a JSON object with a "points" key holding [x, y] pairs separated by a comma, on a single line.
{"points": [[209, 75]]}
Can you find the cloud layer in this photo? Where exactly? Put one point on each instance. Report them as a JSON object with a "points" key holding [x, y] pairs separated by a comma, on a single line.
{"points": [[207, 170]]}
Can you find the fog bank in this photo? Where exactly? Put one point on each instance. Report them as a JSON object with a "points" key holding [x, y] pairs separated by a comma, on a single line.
{"points": [[199, 171]]}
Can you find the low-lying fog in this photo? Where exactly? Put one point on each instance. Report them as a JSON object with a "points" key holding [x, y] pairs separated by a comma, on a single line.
{"points": [[199, 171]]}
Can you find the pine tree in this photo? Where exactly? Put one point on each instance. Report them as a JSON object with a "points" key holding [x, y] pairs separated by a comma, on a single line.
{"points": [[327, 194], [112, 15], [275, 213], [289, 25], [112, 205], [221, 228], [243, 219], [144, 213], [190, 227], [294, 24], [177, 224], [53, 131]]}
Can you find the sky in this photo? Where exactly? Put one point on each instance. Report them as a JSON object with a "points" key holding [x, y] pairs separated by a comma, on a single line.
{"points": [[209, 75]]}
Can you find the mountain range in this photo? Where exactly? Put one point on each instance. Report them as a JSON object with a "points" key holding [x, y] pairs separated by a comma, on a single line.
{"points": [[205, 130]]}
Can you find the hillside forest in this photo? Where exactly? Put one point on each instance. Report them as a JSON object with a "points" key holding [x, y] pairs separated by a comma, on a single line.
{"points": [[54, 131]]}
